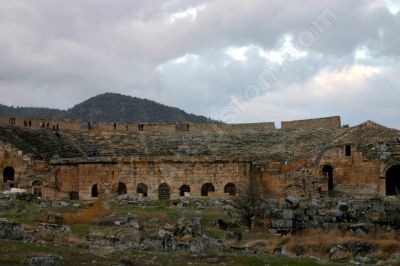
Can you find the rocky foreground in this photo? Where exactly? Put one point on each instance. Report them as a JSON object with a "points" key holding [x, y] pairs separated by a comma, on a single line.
{"points": [[124, 231]]}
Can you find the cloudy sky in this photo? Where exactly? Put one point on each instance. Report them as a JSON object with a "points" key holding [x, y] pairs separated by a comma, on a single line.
{"points": [[234, 60]]}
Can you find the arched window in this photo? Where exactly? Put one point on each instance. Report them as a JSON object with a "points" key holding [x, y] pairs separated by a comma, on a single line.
{"points": [[206, 188], [183, 189], [142, 189], [327, 171], [230, 188], [95, 192], [8, 176], [164, 192], [122, 189], [393, 181]]}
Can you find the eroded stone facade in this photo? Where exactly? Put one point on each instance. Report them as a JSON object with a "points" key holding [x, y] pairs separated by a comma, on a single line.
{"points": [[309, 157]]}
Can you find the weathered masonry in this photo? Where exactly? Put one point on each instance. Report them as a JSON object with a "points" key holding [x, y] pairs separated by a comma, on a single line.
{"points": [[65, 159]]}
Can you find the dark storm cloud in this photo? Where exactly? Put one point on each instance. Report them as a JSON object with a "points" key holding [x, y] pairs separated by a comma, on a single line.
{"points": [[203, 55]]}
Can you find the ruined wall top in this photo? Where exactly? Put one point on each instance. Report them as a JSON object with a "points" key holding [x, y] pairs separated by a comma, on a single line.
{"points": [[64, 124], [325, 122]]}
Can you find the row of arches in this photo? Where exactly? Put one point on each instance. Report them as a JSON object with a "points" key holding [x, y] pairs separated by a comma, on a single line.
{"points": [[164, 190], [392, 184]]}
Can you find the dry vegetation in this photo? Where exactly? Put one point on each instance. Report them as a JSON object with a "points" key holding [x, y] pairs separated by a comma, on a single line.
{"points": [[89, 215], [318, 242]]}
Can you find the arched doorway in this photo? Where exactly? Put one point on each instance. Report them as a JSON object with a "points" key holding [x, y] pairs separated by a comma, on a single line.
{"points": [[393, 181], [327, 171], [37, 187], [184, 189], [122, 190], [230, 188], [8, 175], [142, 189], [164, 192], [206, 188], [95, 192]]}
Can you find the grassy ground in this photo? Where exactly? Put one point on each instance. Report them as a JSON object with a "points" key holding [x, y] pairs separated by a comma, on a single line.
{"points": [[154, 214], [13, 252]]}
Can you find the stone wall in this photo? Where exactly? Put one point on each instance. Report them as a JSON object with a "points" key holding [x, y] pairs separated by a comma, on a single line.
{"points": [[325, 122], [231, 127], [25, 171], [352, 175], [134, 127], [289, 161], [81, 177]]}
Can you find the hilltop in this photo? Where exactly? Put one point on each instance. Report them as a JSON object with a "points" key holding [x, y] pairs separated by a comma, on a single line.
{"points": [[111, 107]]}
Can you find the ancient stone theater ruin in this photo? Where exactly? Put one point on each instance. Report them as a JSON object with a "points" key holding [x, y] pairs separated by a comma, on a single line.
{"points": [[65, 159]]}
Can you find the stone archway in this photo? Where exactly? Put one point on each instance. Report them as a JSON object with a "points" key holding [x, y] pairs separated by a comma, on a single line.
{"points": [[8, 176], [206, 188], [142, 189], [37, 188], [122, 190], [184, 189], [95, 192], [164, 192], [230, 188], [327, 171], [393, 181]]}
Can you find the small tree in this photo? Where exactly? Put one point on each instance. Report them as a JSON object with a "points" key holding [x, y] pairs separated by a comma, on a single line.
{"points": [[249, 201]]}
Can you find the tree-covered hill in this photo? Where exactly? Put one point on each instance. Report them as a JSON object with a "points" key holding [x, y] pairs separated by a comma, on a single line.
{"points": [[111, 107]]}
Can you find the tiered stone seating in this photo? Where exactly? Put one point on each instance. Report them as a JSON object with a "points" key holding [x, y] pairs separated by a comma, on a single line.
{"points": [[40, 143], [267, 145]]}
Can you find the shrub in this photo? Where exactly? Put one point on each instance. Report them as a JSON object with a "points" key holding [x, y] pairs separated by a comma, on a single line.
{"points": [[249, 202], [89, 215]]}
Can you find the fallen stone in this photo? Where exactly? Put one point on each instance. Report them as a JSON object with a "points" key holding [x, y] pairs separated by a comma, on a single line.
{"points": [[281, 224], [11, 230], [17, 191], [188, 227], [57, 227], [123, 197], [280, 251], [366, 259], [50, 260], [151, 244], [339, 253], [360, 247], [292, 202], [287, 214], [359, 226], [6, 204], [60, 204]]}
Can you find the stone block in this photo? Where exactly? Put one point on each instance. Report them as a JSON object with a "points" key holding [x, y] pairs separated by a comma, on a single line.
{"points": [[282, 224], [287, 214]]}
